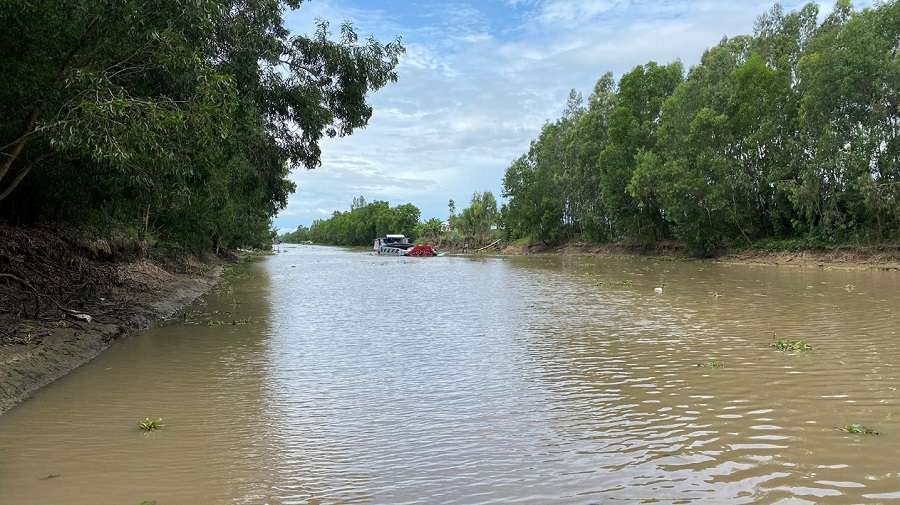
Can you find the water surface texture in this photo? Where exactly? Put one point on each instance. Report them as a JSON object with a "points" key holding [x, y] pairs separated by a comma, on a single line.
{"points": [[366, 379]]}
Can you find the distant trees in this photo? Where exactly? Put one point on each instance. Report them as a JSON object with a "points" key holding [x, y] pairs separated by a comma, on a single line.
{"points": [[477, 224], [477, 221], [177, 118], [789, 134], [363, 224], [298, 236]]}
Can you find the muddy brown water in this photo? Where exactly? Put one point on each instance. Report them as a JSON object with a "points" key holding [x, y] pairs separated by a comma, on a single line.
{"points": [[364, 379]]}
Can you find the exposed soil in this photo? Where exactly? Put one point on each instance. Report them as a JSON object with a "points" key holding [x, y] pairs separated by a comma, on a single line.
{"points": [[65, 297], [846, 257]]}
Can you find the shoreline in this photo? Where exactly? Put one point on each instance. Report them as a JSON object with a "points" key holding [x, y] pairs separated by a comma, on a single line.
{"points": [[885, 258], [36, 353]]}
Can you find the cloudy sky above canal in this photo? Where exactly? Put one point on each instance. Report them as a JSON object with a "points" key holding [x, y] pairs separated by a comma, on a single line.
{"points": [[478, 81]]}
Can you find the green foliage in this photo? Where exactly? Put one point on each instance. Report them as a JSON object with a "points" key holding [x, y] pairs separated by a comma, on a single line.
{"points": [[363, 224], [477, 221], [178, 119], [298, 236], [431, 230], [150, 424], [790, 345], [858, 429], [712, 364], [783, 139], [234, 322]]}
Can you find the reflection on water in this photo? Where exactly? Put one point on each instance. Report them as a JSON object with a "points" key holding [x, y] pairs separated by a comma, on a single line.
{"points": [[363, 379]]}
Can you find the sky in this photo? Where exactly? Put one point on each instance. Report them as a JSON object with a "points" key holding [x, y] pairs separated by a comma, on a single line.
{"points": [[478, 81]]}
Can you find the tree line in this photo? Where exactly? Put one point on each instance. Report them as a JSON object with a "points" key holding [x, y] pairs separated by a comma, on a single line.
{"points": [[789, 136], [364, 222], [173, 119]]}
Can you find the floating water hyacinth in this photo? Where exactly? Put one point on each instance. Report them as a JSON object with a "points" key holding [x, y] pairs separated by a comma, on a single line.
{"points": [[790, 345], [151, 424], [858, 429]]}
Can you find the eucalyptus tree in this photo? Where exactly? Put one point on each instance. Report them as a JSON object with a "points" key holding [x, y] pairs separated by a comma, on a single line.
{"points": [[361, 225], [849, 79], [519, 214], [546, 182], [632, 129], [693, 171], [301, 234], [477, 221], [584, 140], [770, 108], [173, 109], [536, 203]]}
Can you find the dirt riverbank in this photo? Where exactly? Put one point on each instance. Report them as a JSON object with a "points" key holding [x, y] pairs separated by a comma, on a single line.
{"points": [[64, 299], [848, 257]]}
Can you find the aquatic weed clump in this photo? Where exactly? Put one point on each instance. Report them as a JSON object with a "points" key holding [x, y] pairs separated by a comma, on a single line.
{"points": [[858, 429], [790, 345], [151, 424]]}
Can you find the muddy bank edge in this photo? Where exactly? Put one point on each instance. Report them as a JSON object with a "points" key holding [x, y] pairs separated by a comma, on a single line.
{"points": [[43, 353]]}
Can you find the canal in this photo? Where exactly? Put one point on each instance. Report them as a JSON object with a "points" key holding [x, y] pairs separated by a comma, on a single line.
{"points": [[327, 376]]}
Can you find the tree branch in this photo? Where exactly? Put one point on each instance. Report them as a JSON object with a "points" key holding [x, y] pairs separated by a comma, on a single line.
{"points": [[22, 173]]}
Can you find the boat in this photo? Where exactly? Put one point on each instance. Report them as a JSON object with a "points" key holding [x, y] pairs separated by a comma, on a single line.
{"points": [[399, 245]]}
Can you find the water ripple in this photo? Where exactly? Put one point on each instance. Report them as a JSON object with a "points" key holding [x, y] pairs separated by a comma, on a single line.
{"points": [[492, 380]]}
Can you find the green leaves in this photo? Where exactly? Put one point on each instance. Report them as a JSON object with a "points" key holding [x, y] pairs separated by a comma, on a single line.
{"points": [[790, 133], [858, 429], [177, 113], [790, 345], [151, 424], [363, 224]]}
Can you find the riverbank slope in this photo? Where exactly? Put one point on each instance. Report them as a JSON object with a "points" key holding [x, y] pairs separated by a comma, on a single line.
{"points": [[885, 257], [64, 297]]}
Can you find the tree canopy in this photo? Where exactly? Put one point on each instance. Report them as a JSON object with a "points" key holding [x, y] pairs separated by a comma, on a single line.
{"points": [[180, 118], [789, 135], [361, 225]]}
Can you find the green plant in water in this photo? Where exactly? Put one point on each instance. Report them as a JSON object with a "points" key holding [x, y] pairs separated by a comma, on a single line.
{"points": [[625, 282], [713, 364], [849, 288], [789, 345], [858, 429], [151, 424], [588, 274]]}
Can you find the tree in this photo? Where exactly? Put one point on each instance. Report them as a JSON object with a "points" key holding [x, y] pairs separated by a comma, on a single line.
{"points": [[632, 128], [584, 140], [451, 220], [180, 108], [300, 235], [848, 81], [361, 226], [477, 221], [431, 230]]}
